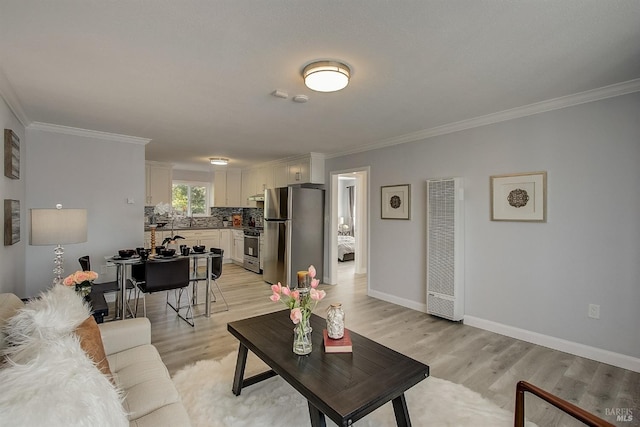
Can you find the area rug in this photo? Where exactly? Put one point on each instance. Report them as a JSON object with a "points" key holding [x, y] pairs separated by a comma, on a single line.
{"points": [[205, 388]]}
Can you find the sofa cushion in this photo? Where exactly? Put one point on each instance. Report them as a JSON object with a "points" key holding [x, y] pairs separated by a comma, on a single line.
{"points": [[50, 380], [173, 414], [91, 343], [59, 387], [9, 305]]}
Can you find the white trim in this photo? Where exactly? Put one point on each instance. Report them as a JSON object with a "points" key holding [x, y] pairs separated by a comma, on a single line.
{"points": [[398, 301], [577, 349], [11, 99], [610, 91], [66, 130]]}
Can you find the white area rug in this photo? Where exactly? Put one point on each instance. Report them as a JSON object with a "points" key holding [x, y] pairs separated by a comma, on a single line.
{"points": [[205, 388]]}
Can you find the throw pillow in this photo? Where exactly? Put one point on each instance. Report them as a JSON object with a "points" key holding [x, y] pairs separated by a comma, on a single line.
{"points": [[91, 342]]}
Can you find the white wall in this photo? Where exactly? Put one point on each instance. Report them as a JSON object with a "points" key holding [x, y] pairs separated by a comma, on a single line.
{"points": [[90, 171], [12, 262], [538, 277]]}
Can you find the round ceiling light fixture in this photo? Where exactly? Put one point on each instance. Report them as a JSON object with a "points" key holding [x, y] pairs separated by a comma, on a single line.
{"points": [[326, 76], [219, 161]]}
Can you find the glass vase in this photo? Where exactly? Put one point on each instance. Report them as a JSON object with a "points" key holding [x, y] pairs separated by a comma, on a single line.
{"points": [[302, 338], [83, 289], [335, 321]]}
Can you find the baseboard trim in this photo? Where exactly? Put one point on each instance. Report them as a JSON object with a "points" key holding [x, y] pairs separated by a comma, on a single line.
{"points": [[398, 301], [577, 349]]}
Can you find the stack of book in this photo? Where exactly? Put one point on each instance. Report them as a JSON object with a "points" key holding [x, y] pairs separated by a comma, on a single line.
{"points": [[340, 345]]}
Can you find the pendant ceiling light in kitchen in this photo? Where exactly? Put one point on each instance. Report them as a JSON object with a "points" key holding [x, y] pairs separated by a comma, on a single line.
{"points": [[326, 76]]}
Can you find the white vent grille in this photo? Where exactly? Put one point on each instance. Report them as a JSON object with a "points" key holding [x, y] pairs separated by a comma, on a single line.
{"points": [[445, 255]]}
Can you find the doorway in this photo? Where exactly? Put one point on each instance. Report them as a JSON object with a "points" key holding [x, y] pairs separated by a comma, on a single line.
{"points": [[349, 219]]}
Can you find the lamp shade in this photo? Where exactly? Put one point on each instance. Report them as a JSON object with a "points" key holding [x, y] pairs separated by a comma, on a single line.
{"points": [[58, 226]]}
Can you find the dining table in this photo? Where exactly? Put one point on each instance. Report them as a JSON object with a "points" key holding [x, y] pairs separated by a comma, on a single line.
{"points": [[123, 272]]}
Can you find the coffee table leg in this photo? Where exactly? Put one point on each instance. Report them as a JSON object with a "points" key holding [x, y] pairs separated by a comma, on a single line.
{"points": [[317, 417], [241, 362], [401, 411]]}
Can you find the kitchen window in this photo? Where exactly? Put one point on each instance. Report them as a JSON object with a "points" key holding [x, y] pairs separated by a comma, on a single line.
{"points": [[192, 198]]}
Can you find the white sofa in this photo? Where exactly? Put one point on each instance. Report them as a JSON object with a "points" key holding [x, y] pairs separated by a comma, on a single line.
{"points": [[140, 379]]}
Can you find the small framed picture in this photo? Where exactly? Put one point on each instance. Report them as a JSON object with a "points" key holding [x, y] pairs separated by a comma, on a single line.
{"points": [[519, 197], [11, 154], [395, 201], [11, 222]]}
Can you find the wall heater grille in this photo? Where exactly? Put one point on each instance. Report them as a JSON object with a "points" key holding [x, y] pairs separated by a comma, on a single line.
{"points": [[445, 248]]}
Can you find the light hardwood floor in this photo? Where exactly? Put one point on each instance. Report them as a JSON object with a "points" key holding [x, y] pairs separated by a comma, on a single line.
{"points": [[486, 362]]}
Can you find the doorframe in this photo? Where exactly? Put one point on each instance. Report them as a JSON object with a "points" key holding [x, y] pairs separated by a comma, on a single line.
{"points": [[362, 218]]}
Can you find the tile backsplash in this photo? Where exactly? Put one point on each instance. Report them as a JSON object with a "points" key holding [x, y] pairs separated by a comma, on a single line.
{"points": [[213, 221]]}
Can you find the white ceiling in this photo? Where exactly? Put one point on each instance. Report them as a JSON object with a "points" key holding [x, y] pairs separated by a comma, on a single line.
{"points": [[196, 76]]}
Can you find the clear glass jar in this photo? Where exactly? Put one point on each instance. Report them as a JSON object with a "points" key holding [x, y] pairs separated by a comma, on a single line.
{"points": [[335, 321]]}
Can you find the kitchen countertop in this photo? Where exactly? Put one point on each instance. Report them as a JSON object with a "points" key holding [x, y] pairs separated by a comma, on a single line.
{"points": [[176, 230]]}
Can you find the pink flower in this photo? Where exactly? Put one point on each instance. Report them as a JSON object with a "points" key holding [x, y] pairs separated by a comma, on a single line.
{"points": [[275, 297], [312, 271], [315, 283], [295, 295], [317, 295], [296, 315], [68, 281], [276, 288]]}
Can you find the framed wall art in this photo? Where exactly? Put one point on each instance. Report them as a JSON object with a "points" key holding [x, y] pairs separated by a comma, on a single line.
{"points": [[11, 154], [11, 222], [395, 201], [519, 197]]}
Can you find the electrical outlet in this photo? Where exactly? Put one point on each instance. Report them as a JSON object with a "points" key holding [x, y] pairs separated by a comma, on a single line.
{"points": [[594, 311]]}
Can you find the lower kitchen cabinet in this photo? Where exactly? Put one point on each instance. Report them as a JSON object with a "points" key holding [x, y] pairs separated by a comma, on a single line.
{"points": [[237, 254]]}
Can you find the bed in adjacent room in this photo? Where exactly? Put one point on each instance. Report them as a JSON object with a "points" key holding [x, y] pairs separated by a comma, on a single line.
{"points": [[346, 248]]}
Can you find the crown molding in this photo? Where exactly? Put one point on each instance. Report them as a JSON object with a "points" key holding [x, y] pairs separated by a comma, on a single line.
{"points": [[11, 99], [66, 130], [610, 91]]}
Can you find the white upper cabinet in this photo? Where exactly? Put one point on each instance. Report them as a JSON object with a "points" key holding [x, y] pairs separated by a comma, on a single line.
{"points": [[158, 183], [309, 169], [227, 188]]}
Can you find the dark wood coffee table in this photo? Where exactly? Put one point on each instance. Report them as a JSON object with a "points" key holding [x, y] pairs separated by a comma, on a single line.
{"points": [[343, 386]]}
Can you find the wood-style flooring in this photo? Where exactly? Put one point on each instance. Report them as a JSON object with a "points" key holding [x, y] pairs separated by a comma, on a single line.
{"points": [[486, 362]]}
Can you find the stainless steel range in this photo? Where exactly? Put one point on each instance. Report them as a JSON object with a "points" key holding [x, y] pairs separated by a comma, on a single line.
{"points": [[252, 249]]}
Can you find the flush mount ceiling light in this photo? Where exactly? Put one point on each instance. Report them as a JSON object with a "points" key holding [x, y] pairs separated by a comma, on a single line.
{"points": [[326, 76], [218, 161]]}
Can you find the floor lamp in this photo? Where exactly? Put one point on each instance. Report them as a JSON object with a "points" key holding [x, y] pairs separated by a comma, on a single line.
{"points": [[58, 227]]}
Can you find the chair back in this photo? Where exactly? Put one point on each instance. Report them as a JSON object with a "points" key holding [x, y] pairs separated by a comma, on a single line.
{"points": [[85, 263], [166, 275], [216, 263]]}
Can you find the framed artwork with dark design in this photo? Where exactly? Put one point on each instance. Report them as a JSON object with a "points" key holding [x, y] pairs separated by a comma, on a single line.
{"points": [[11, 154], [11, 222], [395, 201], [519, 197]]}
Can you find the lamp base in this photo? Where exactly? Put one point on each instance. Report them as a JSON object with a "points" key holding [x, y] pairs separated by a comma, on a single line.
{"points": [[58, 262]]}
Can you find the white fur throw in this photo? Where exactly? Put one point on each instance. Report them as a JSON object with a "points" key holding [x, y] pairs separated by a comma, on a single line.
{"points": [[48, 379]]}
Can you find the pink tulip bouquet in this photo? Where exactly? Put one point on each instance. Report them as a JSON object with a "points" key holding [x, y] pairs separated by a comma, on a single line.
{"points": [[300, 303]]}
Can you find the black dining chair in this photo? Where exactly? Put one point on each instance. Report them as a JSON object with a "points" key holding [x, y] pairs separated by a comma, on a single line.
{"points": [[164, 276], [216, 273], [104, 287]]}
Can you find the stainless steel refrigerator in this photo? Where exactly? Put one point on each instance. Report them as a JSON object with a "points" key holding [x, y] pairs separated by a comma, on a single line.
{"points": [[293, 233]]}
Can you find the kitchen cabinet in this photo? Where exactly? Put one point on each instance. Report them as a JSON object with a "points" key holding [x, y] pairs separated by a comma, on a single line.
{"points": [[309, 169], [208, 238], [264, 179], [225, 244], [227, 188], [237, 254], [281, 175], [261, 251], [248, 187], [158, 185]]}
